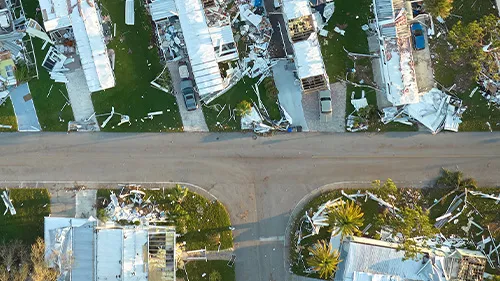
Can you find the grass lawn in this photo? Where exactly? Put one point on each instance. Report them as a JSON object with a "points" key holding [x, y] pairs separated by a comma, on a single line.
{"points": [[207, 222], [195, 270], [241, 91], [32, 205], [133, 94], [7, 116], [447, 73], [49, 108], [335, 58], [375, 125]]}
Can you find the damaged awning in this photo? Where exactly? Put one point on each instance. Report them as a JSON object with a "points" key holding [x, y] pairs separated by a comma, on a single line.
{"points": [[162, 9], [223, 43]]}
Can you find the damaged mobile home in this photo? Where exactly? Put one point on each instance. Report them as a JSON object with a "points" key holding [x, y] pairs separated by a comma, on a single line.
{"points": [[75, 29], [184, 31], [308, 58], [85, 249], [434, 109]]}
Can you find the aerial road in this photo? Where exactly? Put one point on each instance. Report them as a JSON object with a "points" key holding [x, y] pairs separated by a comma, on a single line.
{"points": [[259, 180]]}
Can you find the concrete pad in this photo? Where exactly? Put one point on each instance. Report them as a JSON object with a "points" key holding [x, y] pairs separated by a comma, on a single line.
{"points": [[290, 94], [62, 203], [79, 96], [337, 121], [85, 203], [192, 121], [27, 120], [423, 67]]}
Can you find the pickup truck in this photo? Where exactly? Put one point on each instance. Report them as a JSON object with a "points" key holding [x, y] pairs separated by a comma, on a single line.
{"points": [[325, 105]]}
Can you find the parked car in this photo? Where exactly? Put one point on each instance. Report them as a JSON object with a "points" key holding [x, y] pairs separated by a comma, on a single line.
{"points": [[417, 32], [325, 105], [188, 94]]}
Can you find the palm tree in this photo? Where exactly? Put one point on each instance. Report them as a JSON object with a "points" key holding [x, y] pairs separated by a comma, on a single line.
{"points": [[323, 260], [180, 193], [347, 218]]}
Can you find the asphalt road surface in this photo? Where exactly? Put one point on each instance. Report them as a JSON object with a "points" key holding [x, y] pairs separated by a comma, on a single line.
{"points": [[260, 181]]}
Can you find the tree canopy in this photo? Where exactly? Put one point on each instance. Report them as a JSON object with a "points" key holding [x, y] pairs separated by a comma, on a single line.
{"points": [[470, 41], [440, 8], [323, 259], [347, 218]]}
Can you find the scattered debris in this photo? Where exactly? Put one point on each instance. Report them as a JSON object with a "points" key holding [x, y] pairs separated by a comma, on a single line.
{"points": [[8, 203]]}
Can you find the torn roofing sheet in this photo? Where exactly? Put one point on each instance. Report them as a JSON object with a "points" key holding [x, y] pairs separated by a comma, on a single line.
{"points": [[431, 110], [199, 47], [162, 9], [308, 58], [91, 48], [55, 13], [295, 9]]}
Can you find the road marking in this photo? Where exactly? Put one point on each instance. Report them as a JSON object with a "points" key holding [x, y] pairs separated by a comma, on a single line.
{"points": [[272, 238]]}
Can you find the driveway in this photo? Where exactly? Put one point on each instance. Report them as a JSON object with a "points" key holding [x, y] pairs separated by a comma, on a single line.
{"points": [[79, 96], [290, 94], [336, 123], [423, 66], [192, 121], [27, 120]]}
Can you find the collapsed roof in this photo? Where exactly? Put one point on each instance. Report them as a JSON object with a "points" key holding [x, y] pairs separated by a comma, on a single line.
{"points": [[397, 63], [82, 16]]}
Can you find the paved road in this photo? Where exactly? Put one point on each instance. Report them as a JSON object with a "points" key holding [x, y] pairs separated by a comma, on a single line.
{"points": [[260, 181]]}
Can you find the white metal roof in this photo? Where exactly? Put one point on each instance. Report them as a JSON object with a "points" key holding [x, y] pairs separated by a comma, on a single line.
{"points": [[199, 46], [55, 13], [129, 12], [308, 58], [91, 48], [221, 36], [135, 241], [294, 9], [362, 256], [109, 254], [83, 252], [162, 9]]}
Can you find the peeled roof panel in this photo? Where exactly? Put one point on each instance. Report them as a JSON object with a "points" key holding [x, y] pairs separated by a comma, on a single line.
{"points": [[162, 9]]}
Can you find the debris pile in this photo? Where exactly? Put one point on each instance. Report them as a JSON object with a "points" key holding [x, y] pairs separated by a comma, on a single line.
{"points": [[490, 90], [131, 207], [170, 39], [357, 121], [8, 203]]}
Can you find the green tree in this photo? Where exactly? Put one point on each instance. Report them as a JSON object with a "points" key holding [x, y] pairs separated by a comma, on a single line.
{"points": [[469, 41], [347, 217], [455, 180], [243, 108], [215, 276], [440, 8], [323, 260], [409, 223], [180, 193], [387, 191]]}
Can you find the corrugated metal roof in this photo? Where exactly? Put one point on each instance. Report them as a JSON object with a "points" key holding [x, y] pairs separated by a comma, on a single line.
{"points": [[83, 252], [199, 46], [378, 259], [91, 48], [162, 9], [308, 58]]}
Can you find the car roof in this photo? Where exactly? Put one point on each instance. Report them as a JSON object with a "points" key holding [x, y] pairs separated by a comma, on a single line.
{"points": [[416, 26], [326, 106], [420, 41]]}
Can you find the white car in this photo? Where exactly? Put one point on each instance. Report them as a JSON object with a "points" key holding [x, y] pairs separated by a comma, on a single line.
{"points": [[325, 105]]}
